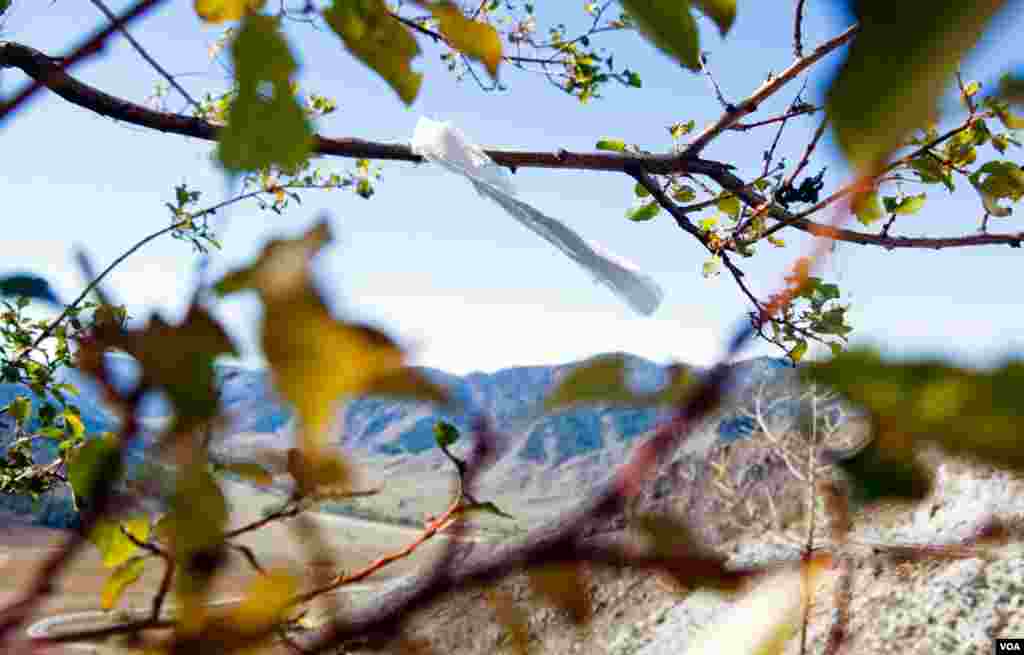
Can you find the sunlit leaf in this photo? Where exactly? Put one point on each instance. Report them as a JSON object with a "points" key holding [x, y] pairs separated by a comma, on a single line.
{"points": [[798, 351], [910, 205], [565, 586], [74, 423], [615, 145], [644, 212], [765, 618], [603, 381], [897, 67], [29, 286], [114, 545], [126, 574], [219, 11], [474, 39], [265, 602], [317, 360], [266, 124], [670, 26], [729, 204], [379, 41], [867, 207]]}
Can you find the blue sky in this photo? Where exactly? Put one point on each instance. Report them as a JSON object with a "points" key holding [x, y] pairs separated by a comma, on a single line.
{"points": [[445, 271]]}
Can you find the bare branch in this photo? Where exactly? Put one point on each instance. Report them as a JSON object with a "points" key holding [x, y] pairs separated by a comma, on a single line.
{"points": [[766, 90]]}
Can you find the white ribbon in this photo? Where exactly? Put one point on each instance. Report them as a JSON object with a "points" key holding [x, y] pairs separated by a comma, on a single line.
{"points": [[443, 144]]}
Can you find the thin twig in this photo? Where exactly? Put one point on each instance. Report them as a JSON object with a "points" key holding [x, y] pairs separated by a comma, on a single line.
{"points": [[142, 52], [798, 26]]}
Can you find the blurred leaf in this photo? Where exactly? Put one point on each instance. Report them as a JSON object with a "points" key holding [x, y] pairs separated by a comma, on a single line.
{"points": [[115, 547], [767, 617], [615, 145], [565, 587], [886, 468], [967, 412], [316, 360], [249, 471], [265, 602], [74, 423], [126, 574], [685, 558], [20, 409], [670, 26], [29, 286], [266, 124], [219, 11], [602, 381], [900, 62], [722, 12], [178, 359], [198, 513], [512, 618], [324, 474], [644, 212], [474, 39], [379, 41], [445, 434], [89, 463]]}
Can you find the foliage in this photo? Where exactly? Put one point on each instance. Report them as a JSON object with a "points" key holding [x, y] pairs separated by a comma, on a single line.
{"points": [[880, 105]]}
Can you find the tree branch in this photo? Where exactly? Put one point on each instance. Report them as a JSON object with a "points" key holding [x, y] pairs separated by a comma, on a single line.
{"points": [[42, 69], [765, 91]]}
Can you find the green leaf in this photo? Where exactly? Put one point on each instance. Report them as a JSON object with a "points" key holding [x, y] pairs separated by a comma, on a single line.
{"points": [[266, 124], [867, 207], [379, 41], [644, 212], [219, 11], [722, 12], [900, 62], [20, 409], [641, 191], [74, 423], [198, 512], [113, 544], [119, 580], [474, 39], [445, 434], [798, 351], [729, 204], [684, 193], [603, 381], [615, 145], [967, 412], [670, 26], [679, 130], [910, 205], [485, 508], [28, 286], [89, 463]]}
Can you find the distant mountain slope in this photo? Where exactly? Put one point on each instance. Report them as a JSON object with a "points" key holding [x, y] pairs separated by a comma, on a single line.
{"points": [[379, 428]]}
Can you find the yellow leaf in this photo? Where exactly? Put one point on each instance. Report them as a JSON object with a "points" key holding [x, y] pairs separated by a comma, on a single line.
{"points": [[219, 11], [767, 617], [317, 360], [322, 473], [119, 580], [603, 380], [265, 602], [379, 41], [114, 546], [473, 38]]}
